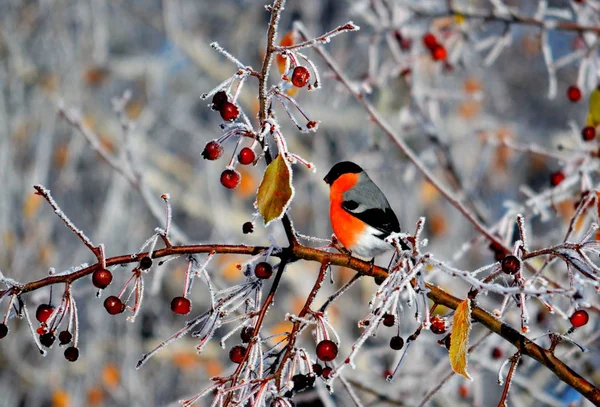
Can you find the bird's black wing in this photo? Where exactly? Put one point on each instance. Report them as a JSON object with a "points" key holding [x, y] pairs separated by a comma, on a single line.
{"points": [[384, 220]]}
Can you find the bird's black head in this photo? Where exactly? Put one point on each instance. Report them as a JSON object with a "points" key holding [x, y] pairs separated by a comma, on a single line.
{"points": [[344, 167]]}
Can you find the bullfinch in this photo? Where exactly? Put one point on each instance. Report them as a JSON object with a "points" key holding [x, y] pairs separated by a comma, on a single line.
{"points": [[361, 216]]}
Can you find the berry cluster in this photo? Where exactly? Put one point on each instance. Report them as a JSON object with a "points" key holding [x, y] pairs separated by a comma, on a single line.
{"points": [[437, 50]]}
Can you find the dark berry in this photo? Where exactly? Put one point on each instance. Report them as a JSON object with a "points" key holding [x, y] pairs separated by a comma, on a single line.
{"points": [[439, 53], [588, 133], [237, 353], [300, 382], [379, 280], [389, 320], [47, 339], [438, 325], [181, 305], [556, 178], [327, 350], [229, 112], [511, 264], [145, 263], [429, 40], [219, 99], [114, 305], [212, 151], [300, 76], [263, 270], [326, 372], [230, 178], [396, 342], [101, 278], [447, 341], [43, 312], [65, 337], [497, 353], [246, 156], [71, 353], [247, 333], [317, 369], [3, 331], [247, 227], [579, 318], [574, 93]]}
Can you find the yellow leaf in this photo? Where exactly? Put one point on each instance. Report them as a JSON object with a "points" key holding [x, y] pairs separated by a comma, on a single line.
{"points": [[459, 340], [275, 191], [593, 118]]}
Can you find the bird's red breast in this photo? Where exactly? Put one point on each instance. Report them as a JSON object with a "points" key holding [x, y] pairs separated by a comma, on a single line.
{"points": [[347, 228]]}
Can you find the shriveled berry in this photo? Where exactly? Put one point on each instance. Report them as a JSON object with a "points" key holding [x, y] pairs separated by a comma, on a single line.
{"points": [[327, 350], [230, 178], [246, 156], [71, 353], [326, 372], [396, 342], [511, 264], [439, 53], [438, 325], [181, 305], [3, 330], [263, 270], [300, 76], [229, 111], [579, 318], [65, 337], [379, 280], [237, 353], [447, 341], [212, 150], [47, 339], [574, 93], [588, 133], [43, 312], [246, 334], [497, 353], [429, 40], [145, 263], [219, 100], [114, 305], [247, 227], [317, 369], [101, 278], [556, 178], [300, 382], [389, 320]]}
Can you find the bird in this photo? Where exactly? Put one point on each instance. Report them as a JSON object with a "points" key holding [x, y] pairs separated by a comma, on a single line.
{"points": [[361, 216]]}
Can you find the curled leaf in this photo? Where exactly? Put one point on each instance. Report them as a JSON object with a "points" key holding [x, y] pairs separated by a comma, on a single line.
{"points": [[275, 191], [459, 340]]}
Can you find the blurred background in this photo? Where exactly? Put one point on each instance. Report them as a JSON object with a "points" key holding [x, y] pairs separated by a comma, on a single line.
{"points": [[455, 114]]}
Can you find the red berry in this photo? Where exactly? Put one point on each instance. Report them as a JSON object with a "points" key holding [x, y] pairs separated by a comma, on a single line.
{"points": [[41, 330], [438, 325], [212, 150], [43, 312], [263, 270], [300, 76], [497, 353], [396, 342], [229, 111], [181, 305], [588, 133], [145, 263], [574, 93], [114, 305], [219, 99], [389, 320], [230, 178], [439, 53], [429, 40], [556, 178], [247, 227], [237, 353], [65, 337], [327, 350], [511, 264], [72, 354], [326, 372], [246, 334], [317, 369], [579, 318], [463, 391], [246, 156], [101, 278], [47, 339], [3, 331]]}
